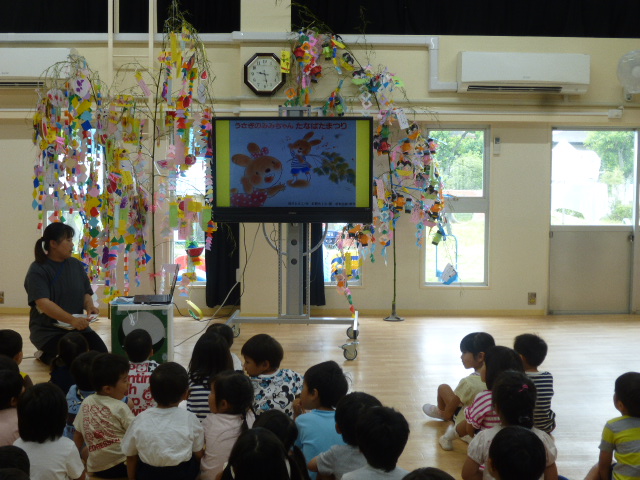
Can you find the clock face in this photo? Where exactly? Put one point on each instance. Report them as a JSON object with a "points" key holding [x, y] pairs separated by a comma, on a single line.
{"points": [[262, 74]]}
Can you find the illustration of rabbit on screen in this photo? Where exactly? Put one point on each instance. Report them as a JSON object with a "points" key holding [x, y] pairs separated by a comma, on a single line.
{"points": [[300, 149], [260, 180]]}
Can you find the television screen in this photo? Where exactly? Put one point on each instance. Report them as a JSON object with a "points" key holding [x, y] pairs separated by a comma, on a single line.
{"points": [[292, 169]]}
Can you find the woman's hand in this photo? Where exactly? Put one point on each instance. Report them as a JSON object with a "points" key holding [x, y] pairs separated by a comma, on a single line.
{"points": [[80, 323], [89, 306]]}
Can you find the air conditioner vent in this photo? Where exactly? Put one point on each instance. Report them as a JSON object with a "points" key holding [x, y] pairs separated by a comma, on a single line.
{"points": [[513, 88], [20, 84]]}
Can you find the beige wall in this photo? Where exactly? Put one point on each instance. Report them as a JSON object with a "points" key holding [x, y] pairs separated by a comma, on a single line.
{"points": [[519, 176]]}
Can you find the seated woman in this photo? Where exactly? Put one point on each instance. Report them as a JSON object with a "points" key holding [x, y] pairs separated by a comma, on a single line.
{"points": [[58, 287]]}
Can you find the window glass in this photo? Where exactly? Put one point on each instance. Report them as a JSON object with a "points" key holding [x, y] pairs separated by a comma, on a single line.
{"points": [[592, 177], [461, 155]]}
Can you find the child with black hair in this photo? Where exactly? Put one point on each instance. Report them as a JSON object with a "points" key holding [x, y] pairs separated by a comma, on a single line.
{"points": [[323, 387], [152, 452], [13, 474], [11, 386], [42, 411], [227, 333], [283, 426], [428, 473], [382, 435], [210, 357], [104, 418], [451, 403], [480, 414], [230, 401], [341, 459], [81, 389], [273, 387], [514, 398], [621, 435], [259, 454], [11, 346], [516, 453], [139, 348], [15, 457], [69, 347], [533, 351]]}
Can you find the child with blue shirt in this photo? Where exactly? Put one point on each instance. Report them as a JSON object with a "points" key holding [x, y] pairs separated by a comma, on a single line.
{"points": [[323, 386]]}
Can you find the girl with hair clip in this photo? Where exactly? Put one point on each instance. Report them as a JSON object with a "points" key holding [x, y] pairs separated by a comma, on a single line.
{"points": [[230, 401], [210, 357], [259, 454], [514, 398], [285, 429], [58, 290]]}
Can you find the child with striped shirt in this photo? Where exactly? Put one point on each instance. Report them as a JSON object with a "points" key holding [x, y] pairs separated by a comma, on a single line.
{"points": [[533, 351]]}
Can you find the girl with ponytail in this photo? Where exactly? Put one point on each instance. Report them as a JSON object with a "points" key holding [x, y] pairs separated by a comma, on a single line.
{"points": [[58, 290], [514, 398], [230, 401]]}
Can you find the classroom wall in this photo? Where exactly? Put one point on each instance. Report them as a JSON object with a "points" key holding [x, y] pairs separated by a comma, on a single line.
{"points": [[519, 175]]}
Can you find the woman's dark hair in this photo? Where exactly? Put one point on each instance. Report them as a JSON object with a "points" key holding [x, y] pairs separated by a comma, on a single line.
{"points": [[55, 231], [210, 356], [516, 453], [168, 383], [330, 382], [81, 370], [476, 342], [428, 473], [237, 390], [514, 398], [42, 413], [499, 359], [283, 426], [138, 345], [258, 453], [69, 347]]}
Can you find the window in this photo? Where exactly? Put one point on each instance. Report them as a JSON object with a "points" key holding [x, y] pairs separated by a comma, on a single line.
{"points": [[333, 259], [592, 177], [462, 156]]}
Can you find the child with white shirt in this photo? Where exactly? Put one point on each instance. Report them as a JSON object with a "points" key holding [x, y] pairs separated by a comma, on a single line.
{"points": [[42, 414], [165, 442], [230, 401]]}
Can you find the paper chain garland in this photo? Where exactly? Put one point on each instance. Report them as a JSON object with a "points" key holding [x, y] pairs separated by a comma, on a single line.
{"points": [[92, 159]]}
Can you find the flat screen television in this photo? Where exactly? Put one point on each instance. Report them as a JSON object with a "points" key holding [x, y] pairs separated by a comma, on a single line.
{"points": [[292, 169]]}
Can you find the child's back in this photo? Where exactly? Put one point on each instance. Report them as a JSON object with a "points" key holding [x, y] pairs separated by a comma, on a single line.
{"points": [[139, 347], [69, 348], [11, 385], [81, 389]]}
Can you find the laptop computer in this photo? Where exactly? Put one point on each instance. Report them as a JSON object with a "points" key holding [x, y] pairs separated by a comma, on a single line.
{"points": [[159, 299]]}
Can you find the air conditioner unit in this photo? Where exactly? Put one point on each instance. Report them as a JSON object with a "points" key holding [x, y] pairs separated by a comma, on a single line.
{"points": [[505, 72], [23, 67]]}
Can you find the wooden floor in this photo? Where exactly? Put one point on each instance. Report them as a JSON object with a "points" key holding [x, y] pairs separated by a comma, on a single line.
{"points": [[403, 363]]}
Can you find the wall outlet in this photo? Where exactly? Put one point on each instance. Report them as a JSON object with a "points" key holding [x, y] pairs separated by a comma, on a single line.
{"points": [[531, 298], [1, 297]]}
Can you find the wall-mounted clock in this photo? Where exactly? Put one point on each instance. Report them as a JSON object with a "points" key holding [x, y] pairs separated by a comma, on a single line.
{"points": [[262, 74]]}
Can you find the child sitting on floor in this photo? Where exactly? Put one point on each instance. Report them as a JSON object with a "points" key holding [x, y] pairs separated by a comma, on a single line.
{"points": [[533, 351], [11, 346], [324, 385], [230, 401], [227, 333], [42, 411], [69, 347], [210, 357], [428, 473], [273, 387], [139, 348], [11, 386], [480, 414], [382, 435], [104, 418], [451, 403], [154, 454], [621, 435], [514, 398], [516, 453], [341, 459], [81, 389]]}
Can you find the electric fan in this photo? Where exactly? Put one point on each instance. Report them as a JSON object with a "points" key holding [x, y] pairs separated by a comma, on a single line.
{"points": [[629, 73]]}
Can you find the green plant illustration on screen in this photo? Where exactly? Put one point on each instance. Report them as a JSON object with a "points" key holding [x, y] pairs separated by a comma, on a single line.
{"points": [[336, 168]]}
